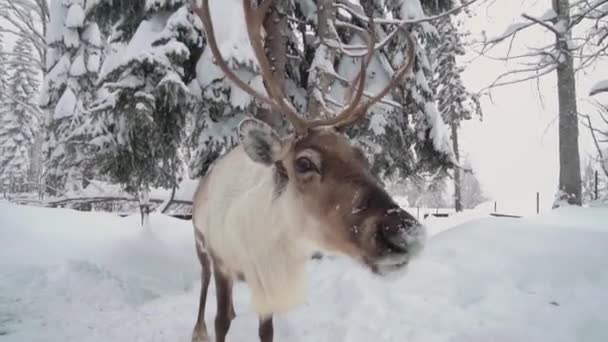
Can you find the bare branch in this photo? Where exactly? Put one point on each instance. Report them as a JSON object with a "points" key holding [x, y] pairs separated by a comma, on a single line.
{"points": [[597, 146], [538, 71]]}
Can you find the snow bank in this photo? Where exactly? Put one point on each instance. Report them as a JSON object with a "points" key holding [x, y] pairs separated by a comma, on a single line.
{"points": [[67, 275], [72, 276]]}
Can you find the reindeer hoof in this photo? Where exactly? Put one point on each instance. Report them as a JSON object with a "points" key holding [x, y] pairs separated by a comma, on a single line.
{"points": [[200, 335]]}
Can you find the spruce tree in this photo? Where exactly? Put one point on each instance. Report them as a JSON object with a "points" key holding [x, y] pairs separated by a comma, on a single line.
{"points": [[404, 134], [454, 101], [19, 120], [141, 114], [74, 56]]}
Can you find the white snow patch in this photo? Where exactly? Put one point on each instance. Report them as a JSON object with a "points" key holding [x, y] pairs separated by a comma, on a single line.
{"points": [[66, 106], [439, 130], [412, 9], [78, 68], [92, 35], [75, 17]]}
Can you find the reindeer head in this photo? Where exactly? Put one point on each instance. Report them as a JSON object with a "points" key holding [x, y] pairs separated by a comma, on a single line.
{"points": [[326, 176]]}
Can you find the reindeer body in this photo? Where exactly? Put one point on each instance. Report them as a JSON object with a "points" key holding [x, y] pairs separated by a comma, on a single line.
{"points": [[264, 206], [253, 232]]}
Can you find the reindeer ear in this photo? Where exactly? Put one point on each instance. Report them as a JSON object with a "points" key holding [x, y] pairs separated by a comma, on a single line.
{"points": [[261, 143]]}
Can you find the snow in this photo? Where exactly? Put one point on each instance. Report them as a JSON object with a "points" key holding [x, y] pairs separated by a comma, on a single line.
{"points": [[76, 276], [66, 106], [548, 15], [71, 38], [56, 26], [92, 35], [561, 26], [512, 29], [235, 48], [93, 62], [599, 87], [75, 17], [78, 68], [439, 130], [412, 9]]}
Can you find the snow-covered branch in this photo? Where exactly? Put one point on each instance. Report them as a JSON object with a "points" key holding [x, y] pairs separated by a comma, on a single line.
{"points": [[600, 87], [588, 10], [27, 19], [518, 27], [357, 11]]}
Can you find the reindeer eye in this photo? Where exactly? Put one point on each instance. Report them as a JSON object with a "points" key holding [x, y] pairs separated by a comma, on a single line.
{"points": [[303, 165]]}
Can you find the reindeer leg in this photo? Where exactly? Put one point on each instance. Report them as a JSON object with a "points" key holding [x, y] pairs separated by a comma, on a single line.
{"points": [[200, 329], [266, 330], [225, 308]]}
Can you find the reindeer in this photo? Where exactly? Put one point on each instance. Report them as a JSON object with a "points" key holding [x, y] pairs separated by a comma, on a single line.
{"points": [[263, 208]]}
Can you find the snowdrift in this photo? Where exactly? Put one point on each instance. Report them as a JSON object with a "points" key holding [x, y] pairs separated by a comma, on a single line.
{"points": [[73, 276]]}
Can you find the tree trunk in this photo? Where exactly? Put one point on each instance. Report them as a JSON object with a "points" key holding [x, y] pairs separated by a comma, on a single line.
{"points": [[569, 159], [457, 175], [320, 80], [144, 208], [276, 27]]}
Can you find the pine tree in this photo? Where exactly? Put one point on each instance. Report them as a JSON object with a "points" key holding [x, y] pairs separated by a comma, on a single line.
{"points": [[471, 191], [4, 75], [588, 183], [404, 135], [3, 70], [145, 99], [455, 102], [219, 105], [18, 123], [73, 59]]}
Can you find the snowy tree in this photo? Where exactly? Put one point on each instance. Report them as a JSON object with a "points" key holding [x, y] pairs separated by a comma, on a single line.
{"points": [[19, 120], [27, 20], [144, 98], [219, 104], [455, 102], [588, 183], [317, 73], [425, 191], [472, 193], [73, 60], [4, 76], [4, 73], [403, 133], [579, 30]]}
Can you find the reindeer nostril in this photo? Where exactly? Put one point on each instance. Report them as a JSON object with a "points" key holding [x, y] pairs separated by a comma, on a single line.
{"points": [[394, 239]]}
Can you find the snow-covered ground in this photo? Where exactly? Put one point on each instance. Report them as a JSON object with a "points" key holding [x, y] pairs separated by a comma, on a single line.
{"points": [[73, 276]]}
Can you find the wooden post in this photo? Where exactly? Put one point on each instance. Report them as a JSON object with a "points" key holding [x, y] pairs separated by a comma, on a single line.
{"points": [[538, 202], [596, 192], [494, 206]]}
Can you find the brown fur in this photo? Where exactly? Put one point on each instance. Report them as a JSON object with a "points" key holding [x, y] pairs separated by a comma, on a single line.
{"points": [[344, 186], [343, 195]]}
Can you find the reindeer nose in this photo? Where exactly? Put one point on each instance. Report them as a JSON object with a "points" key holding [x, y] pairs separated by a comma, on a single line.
{"points": [[400, 232]]}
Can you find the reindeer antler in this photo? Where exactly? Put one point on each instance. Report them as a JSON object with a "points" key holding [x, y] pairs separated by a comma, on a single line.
{"points": [[254, 18]]}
